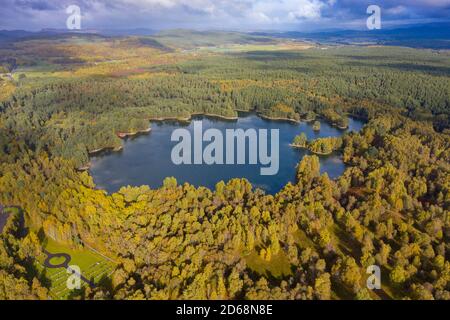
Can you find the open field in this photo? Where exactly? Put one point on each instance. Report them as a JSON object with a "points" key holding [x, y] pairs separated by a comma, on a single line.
{"points": [[277, 268], [93, 266]]}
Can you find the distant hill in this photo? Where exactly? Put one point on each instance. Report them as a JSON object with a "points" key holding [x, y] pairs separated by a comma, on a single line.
{"points": [[434, 36], [166, 40], [188, 39], [7, 37], [135, 41], [129, 32]]}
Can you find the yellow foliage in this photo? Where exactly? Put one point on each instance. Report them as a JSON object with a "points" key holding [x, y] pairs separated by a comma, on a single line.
{"points": [[7, 88]]}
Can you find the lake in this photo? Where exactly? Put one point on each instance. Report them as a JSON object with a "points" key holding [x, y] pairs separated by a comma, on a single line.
{"points": [[146, 159]]}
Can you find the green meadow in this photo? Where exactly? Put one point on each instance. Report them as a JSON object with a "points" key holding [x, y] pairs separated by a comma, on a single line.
{"points": [[93, 266]]}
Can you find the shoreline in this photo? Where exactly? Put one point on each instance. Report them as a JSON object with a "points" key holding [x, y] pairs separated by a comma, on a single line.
{"points": [[335, 125], [85, 168], [359, 117], [278, 119], [124, 135], [168, 119], [320, 153], [121, 135], [189, 119], [314, 152], [341, 128], [210, 115], [114, 149], [297, 146]]}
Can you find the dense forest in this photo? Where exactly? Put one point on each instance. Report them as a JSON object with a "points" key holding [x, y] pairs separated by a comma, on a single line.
{"points": [[390, 207]]}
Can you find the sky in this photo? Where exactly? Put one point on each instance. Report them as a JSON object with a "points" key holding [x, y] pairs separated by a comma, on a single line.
{"points": [[241, 15]]}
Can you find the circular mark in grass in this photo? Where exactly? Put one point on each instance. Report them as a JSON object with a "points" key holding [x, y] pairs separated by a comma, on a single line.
{"points": [[51, 256]]}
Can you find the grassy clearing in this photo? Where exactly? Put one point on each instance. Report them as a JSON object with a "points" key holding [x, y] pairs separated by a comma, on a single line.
{"points": [[278, 267], [10, 210], [93, 266], [303, 241]]}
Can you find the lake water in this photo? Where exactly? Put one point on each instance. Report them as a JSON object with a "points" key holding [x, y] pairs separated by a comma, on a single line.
{"points": [[146, 159]]}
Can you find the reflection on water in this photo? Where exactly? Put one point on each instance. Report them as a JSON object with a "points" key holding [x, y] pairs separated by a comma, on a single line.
{"points": [[146, 160]]}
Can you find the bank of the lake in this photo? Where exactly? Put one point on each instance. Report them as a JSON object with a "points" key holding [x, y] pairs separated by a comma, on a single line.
{"points": [[279, 119], [146, 159], [313, 152]]}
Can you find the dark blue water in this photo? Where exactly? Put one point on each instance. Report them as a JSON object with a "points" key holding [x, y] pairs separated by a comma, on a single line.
{"points": [[146, 160]]}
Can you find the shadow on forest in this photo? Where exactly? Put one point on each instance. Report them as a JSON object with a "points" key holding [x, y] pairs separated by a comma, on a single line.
{"points": [[106, 283], [409, 67], [255, 276], [77, 294], [266, 56], [366, 58]]}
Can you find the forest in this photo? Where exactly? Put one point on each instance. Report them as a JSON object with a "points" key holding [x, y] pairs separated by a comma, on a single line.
{"points": [[312, 240]]}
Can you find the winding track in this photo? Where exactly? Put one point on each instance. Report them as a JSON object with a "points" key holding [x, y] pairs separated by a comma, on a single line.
{"points": [[65, 265]]}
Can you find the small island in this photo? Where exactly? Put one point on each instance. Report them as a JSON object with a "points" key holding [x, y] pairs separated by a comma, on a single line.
{"points": [[316, 126], [300, 141], [320, 146]]}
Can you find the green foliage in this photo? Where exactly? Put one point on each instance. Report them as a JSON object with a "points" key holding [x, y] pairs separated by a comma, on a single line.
{"points": [[300, 141], [311, 240], [325, 145]]}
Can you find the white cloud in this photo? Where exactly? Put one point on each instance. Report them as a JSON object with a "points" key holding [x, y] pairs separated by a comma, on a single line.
{"points": [[205, 14], [258, 10], [260, 17], [397, 10], [306, 9]]}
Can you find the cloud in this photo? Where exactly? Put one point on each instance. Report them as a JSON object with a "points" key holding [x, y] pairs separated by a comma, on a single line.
{"points": [[282, 11], [40, 5], [223, 14], [307, 10], [397, 10]]}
